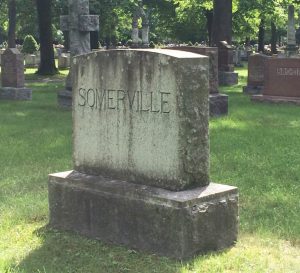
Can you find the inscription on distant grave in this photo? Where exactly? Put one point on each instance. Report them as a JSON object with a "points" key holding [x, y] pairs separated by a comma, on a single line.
{"points": [[288, 71], [121, 99]]}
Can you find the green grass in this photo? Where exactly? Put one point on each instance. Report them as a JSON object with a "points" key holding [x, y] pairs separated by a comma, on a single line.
{"points": [[256, 147]]}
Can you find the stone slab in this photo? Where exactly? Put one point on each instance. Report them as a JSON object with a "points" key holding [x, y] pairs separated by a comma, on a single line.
{"points": [[168, 223], [276, 99], [228, 78], [64, 99], [142, 115], [12, 93], [218, 105], [282, 77], [252, 90]]}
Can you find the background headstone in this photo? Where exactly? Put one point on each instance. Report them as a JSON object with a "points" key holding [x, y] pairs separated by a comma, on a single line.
{"points": [[12, 76], [141, 156], [282, 81], [256, 72], [79, 24]]}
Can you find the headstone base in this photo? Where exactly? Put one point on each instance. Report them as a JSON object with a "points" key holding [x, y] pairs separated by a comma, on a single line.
{"points": [[13, 93], [228, 78], [168, 223], [64, 99], [218, 104], [252, 90], [276, 99]]}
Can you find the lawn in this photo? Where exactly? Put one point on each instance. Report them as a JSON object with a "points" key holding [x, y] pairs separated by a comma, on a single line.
{"points": [[256, 148]]}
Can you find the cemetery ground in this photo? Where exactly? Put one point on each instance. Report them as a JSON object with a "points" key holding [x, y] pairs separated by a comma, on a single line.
{"points": [[256, 148]]}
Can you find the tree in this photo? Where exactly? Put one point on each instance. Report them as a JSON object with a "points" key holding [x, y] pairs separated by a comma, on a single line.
{"points": [[47, 64], [12, 15]]}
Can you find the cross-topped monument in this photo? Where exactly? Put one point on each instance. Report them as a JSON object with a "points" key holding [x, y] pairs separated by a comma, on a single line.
{"points": [[79, 23]]}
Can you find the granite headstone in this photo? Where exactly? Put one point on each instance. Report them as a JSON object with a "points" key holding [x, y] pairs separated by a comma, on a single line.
{"points": [[141, 156]]}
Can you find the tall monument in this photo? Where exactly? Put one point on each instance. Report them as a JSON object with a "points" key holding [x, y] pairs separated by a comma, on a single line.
{"points": [[291, 47]]}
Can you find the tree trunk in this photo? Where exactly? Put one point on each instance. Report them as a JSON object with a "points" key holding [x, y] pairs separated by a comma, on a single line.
{"points": [[273, 38], [209, 14], [261, 36], [222, 21], [47, 64], [12, 14]]}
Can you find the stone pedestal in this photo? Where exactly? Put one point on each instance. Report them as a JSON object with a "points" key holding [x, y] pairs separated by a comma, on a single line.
{"points": [[13, 93], [218, 105], [168, 223], [64, 61], [228, 78], [64, 99]]}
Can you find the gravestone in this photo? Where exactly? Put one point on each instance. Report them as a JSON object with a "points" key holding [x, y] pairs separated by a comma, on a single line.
{"points": [[218, 103], [140, 13], [141, 156], [227, 76], [282, 81], [31, 61], [256, 72], [64, 61], [79, 24], [237, 57], [12, 76], [291, 48]]}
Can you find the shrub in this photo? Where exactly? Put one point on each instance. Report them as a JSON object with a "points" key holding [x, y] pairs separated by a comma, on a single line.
{"points": [[30, 45]]}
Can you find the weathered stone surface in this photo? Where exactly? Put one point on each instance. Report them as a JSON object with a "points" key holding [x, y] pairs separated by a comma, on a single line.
{"points": [[147, 112], [174, 224], [13, 93], [212, 53], [65, 99], [12, 73], [256, 74], [31, 60], [218, 105]]}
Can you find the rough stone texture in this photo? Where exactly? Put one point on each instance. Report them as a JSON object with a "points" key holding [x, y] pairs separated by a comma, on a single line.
{"points": [[256, 74], [140, 13], [65, 99], [79, 24], [174, 224], [228, 78], [12, 74], [147, 112], [13, 93], [212, 53], [218, 105]]}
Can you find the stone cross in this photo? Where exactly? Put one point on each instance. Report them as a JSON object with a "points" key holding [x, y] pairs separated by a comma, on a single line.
{"points": [[291, 32], [79, 23]]}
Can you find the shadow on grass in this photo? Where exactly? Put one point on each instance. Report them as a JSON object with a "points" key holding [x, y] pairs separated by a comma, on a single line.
{"points": [[63, 252]]}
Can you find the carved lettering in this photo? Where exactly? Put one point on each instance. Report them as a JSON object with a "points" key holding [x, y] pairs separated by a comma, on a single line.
{"points": [[286, 71], [120, 99]]}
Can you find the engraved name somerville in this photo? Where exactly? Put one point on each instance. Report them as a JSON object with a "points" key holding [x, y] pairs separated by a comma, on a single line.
{"points": [[120, 99]]}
